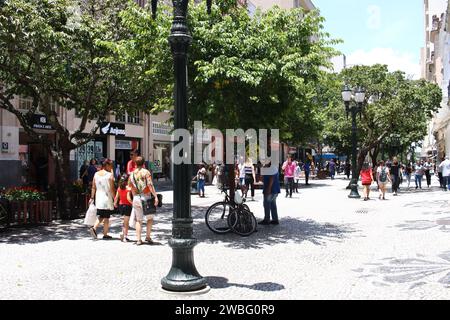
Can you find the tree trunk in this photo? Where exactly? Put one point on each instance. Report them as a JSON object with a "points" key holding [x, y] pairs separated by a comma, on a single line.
{"points": [[64, 186]]}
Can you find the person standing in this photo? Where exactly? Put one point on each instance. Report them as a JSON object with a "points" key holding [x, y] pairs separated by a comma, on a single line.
{"points": [[241, 172], [427, 166], [289, 171], [383, 177], [307, 169], [131, 165], [201, 179], [250, 178], [418, 173], [366, 179], [440, 176], [297, 174], [271, 191], [395, 175], [142, 189], [347, 169], [408, 173], [84, 176], [445, 167], [123, 201], [332, 169], [102, 193], [92, 170]]}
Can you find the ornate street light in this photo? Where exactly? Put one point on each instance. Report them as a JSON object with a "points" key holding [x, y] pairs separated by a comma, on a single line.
{"points": [[183, 275], [359, 97]]}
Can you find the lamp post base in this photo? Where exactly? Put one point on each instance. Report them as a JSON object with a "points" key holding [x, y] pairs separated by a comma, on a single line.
{"points": [[183, 277], [186, 294], [354, 193]]}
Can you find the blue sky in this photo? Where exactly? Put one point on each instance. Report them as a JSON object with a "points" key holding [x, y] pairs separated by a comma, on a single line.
{"points": [[384, 31]]}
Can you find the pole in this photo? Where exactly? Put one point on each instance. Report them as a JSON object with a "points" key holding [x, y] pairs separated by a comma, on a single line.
{"points": [[354, 183], [183, 276]]}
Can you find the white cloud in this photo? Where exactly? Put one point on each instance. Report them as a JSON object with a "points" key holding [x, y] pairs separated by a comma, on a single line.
{"points": [[395, 60]]}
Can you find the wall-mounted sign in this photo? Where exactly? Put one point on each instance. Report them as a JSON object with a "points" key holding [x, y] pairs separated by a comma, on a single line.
{"points": [[124, 145], [161, 128], [113, 129], [5, 146], [40, 121]]}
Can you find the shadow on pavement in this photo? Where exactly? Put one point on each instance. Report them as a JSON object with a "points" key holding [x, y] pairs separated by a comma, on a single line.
{"points": [[223, 283], [290, 230]]}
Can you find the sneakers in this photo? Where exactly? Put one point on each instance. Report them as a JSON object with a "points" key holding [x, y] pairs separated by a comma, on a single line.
{"points": [[93, 232], [123, 238], [274, 222], [106, 237], [264, 223]]}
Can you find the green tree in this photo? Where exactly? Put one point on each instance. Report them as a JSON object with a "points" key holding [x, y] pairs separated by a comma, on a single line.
{"points": [[68, 51], [397, 106]]}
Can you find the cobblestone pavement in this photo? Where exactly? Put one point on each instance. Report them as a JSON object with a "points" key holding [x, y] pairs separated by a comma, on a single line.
{"points": [[327, 247]]}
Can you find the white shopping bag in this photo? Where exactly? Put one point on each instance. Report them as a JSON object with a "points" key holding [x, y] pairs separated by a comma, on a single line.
{"points": [[91, 215], [132, 222]]}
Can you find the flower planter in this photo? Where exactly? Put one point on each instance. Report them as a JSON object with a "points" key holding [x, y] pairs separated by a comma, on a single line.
{"points": [[31, 212]]}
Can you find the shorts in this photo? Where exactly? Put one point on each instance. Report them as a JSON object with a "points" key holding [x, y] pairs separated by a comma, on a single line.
{"points": [[104, 214], [382, 184], [125, 210], [138, 210]]}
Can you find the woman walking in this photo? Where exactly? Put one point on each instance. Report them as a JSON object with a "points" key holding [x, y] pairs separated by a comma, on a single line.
{"points": [[102, 193], [427, 167], [297, 174], [419, 171], [123, 201], [366, 179], [383, 177], [250, 178], [142, 188]]}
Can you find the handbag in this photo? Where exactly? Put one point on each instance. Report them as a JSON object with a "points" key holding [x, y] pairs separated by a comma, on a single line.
{"points": [[148, 205]]}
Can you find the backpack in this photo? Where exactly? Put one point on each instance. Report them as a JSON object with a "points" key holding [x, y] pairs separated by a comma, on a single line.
{"points": [[383, 175]]}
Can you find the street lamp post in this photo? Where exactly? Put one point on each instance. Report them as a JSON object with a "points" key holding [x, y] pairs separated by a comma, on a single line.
{"points": [[359, 98], [183, 275]]}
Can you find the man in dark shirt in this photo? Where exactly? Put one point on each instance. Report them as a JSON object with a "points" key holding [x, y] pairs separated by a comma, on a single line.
{"points": [[271, 191]]}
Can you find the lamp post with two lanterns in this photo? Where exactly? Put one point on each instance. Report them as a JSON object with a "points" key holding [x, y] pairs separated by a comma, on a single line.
{"points": [[359, 96]]}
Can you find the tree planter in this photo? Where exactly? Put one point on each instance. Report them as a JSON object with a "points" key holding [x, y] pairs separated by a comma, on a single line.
{"points": [[31, 212]]}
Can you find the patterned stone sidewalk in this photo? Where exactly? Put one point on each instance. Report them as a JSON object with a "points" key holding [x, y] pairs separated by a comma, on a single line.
{"points": [[327, 247]]}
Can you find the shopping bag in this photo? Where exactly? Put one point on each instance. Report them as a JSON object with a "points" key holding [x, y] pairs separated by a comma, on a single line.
{"points": [[91, 215], [132, 222]]}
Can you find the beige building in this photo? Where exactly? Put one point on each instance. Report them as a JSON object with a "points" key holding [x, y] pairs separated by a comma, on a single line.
{"points": [[435, 65], [285, 4]]}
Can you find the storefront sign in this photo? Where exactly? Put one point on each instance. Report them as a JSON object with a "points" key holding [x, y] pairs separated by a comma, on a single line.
{"points": [[39, 121], [113, 129], [157, 160], [124, 145], [5, 146], [161, 128]]}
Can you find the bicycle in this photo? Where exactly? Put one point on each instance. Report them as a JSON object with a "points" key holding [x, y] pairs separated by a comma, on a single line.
{"points": [[225, 216]]}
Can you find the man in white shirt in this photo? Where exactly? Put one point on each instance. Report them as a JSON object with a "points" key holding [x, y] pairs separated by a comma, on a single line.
{"points": [[445, 166]]}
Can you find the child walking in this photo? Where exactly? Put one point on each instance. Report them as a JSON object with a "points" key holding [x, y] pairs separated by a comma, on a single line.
{"points": [[122, 201]]}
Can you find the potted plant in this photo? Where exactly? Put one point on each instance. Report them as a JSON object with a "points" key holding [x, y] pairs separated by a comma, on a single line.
{"points": [[28, 205]]}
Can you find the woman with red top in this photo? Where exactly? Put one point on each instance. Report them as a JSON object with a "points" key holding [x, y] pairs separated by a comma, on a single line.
{"points": [[366, 179], [122, 201]]}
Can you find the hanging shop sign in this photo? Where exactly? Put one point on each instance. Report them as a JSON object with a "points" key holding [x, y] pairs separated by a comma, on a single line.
{"points": [[113, 129], [124, 145], [39, 121]]}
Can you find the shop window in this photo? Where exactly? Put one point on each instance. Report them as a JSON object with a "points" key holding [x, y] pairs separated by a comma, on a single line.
{"points": [[121, 117]]}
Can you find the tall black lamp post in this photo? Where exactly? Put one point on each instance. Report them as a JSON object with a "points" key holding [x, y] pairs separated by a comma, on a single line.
{"points": [[359, 97], [183, 276]]}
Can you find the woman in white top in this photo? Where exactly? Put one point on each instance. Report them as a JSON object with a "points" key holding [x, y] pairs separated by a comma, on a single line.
{"points": [[103, 192]]}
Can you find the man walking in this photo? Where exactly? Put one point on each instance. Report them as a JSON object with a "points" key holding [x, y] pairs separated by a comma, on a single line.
{"points": [[445, 166], [271, 192], [307, 168], [427, 168], [289, 172]]}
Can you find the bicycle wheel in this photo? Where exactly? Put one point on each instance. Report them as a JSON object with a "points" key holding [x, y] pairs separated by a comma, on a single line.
{"points": [[242, 222], [216, 217]]}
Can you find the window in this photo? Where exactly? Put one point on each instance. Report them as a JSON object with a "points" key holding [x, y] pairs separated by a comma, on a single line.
{"points": [[55, 107], [25, 103], [121, 117], [134, 117]]}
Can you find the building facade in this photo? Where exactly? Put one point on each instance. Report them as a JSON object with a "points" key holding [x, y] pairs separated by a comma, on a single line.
{"points": [[435, 66]]}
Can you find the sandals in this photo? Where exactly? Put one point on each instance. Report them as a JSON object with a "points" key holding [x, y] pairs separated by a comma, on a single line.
{"points": [[149, 241], [139, 243], [93, 232]]}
